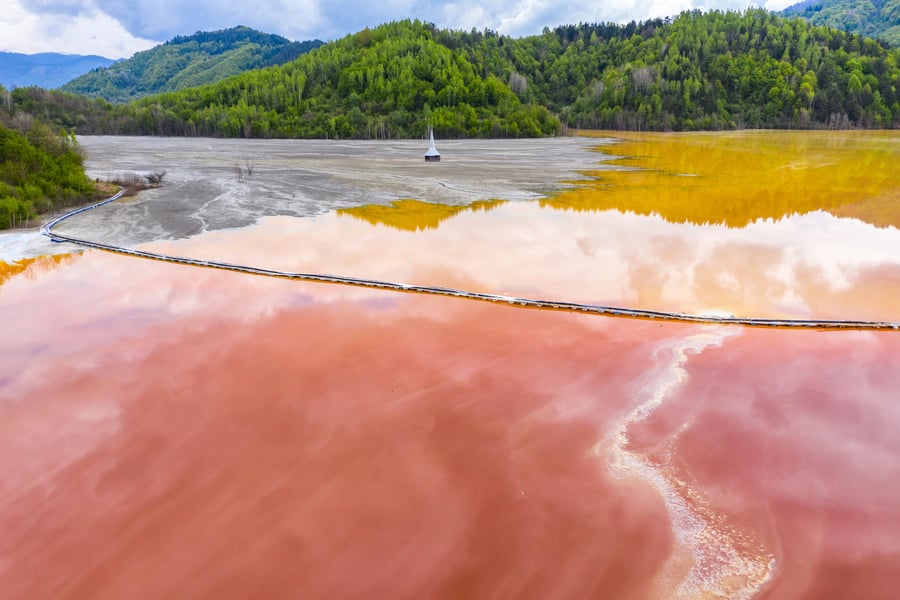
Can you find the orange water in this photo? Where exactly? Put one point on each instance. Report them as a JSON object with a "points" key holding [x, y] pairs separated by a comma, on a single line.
{"points": [[736, 178], [169, 431]]}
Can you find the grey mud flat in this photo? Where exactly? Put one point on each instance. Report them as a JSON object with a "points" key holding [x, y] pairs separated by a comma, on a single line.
{"points": [[215, 184]]}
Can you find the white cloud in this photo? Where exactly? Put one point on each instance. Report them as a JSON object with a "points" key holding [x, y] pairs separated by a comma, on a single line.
{"points": [[83, 31], [294, 19], [118, 28], [528, 17], [778, 4]]}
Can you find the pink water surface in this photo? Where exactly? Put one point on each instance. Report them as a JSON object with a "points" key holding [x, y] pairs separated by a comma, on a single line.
{"points": [[169, 431]]}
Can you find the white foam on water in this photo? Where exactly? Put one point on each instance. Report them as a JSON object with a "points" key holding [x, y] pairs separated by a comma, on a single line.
{"points": [[711, 559]]}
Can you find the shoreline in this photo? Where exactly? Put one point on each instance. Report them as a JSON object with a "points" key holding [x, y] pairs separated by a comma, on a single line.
{"points": [[204, 189], [24, 243]]}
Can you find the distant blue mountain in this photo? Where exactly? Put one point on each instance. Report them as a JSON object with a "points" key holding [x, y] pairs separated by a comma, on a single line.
{"points": [[47, 69]]}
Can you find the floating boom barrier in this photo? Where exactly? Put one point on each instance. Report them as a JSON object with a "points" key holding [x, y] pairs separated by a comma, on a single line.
{"points": [[595, 309]]}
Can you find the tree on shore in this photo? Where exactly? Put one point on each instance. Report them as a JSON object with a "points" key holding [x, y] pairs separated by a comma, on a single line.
{"points": [[40, 170]]}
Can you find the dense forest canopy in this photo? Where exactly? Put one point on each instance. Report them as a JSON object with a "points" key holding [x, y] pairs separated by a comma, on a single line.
{"points": [[715, 70], [732, 70], [40, 169], [188, 61], [873, 18]]}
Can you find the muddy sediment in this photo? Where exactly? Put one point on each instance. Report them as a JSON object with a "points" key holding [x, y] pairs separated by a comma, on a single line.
{"points": [[213, 184], [220, 184]]}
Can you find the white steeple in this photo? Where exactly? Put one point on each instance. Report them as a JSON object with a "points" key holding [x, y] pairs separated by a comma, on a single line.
{"points": [[432, 154]]}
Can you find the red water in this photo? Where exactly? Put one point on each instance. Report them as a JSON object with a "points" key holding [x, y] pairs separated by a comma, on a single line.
{"points": [[169, 431]]}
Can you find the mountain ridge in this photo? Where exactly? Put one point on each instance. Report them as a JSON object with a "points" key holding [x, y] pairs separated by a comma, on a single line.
{"points": [[698, 71], [188, 61], [46, 69]]}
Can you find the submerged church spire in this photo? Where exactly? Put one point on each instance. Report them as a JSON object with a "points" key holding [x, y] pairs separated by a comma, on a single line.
{"points": [[432, 154]]}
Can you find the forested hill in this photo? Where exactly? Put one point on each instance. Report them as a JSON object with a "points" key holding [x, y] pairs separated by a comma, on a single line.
{"points": [[727, 70], [716, 70], [393, 81], [873, 18], [188, 61], [40, 170]]}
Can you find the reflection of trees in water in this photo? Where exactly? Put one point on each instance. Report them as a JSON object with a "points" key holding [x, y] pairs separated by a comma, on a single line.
{"points": [[413, 215], [734, 179], [29, 266]]}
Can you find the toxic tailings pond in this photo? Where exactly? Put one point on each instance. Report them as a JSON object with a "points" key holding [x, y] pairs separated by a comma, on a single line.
{"points": [[174, 431]]}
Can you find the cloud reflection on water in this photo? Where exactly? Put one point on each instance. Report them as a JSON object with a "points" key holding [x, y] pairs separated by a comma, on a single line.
{"points": [[804, 266], [169, 431]]}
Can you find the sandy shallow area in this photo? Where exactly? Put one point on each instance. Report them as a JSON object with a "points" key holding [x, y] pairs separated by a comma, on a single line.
{"points": [[213, 184]]}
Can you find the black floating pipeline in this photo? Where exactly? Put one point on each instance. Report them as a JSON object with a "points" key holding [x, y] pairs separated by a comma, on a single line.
{"points": [[596, 309]]}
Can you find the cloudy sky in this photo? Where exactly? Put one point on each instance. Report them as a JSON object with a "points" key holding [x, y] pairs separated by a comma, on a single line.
{"points": [[119, 28]]}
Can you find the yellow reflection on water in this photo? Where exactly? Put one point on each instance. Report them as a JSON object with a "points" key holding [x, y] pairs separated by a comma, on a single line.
{"points": [[30, 265], [760, 223], [736, 178], [414, 215]]}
